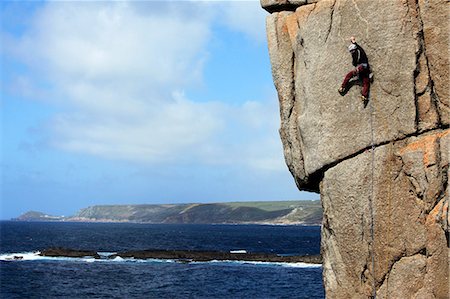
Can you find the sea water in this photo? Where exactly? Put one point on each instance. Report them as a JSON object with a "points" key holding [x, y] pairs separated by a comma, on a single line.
{"points": [[25, 274]]}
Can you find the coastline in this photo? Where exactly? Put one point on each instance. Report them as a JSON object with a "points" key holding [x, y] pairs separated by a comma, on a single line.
{"points": [[174, 223]]}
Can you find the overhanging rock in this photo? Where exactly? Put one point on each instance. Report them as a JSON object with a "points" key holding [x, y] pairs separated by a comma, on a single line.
{"points": [[328, 139]]}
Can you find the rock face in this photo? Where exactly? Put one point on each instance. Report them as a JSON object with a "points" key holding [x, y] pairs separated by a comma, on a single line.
{"points": [[382, 169]]}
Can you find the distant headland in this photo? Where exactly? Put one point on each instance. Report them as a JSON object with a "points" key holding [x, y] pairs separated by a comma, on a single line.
{"points": [[301, 212]]}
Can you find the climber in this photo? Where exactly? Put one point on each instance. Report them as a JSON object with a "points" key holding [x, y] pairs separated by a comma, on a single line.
{"points": [[361, 71]]}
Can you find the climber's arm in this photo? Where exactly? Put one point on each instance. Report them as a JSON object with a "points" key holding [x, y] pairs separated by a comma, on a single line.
{"points": [[355, 57]]}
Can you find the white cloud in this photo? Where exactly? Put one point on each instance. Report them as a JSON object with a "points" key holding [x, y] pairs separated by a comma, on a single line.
{"points": [[249, 138], [120, 68], [103, 42], [160, 135]]}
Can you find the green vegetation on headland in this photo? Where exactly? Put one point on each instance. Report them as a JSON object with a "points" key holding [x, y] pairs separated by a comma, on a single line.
{"points": [[263, 212]]}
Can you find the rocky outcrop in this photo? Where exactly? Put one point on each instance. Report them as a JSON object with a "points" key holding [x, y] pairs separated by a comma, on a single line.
{"points": [[67, 252], [182, 255], [205, 256], [382, 169]]}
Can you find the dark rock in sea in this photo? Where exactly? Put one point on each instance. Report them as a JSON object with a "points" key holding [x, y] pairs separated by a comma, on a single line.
{"points": [[186, 256], [204, 256], [66, 252]]}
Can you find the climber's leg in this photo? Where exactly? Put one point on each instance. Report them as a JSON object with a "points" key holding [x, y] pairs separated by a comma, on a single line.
{"points": [[366, 85], [347, 78]]}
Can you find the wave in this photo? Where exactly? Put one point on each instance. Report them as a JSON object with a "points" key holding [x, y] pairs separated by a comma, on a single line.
{"points": [[35, 256], [257, 263]]}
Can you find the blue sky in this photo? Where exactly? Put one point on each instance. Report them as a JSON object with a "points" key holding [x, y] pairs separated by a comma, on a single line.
{"points": [[137, 102]]}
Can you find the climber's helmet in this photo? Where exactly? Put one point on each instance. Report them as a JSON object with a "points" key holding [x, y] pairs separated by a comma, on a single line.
{"points": [[352, 47]]}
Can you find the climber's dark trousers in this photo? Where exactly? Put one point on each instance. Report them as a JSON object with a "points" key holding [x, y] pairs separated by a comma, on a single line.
{"points": [[363, 74]]}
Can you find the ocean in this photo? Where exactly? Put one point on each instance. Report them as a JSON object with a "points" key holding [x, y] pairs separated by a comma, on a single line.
{"points": [[54, 277]]}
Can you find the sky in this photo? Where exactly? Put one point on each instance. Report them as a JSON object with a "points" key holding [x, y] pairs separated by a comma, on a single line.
{"points": [[137, 102]]}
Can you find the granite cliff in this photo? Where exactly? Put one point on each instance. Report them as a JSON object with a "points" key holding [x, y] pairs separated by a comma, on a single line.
{"points": [[382, 169]]}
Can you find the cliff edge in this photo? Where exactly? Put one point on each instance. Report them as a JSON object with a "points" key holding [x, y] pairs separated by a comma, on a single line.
{"points": [[386, 162]]}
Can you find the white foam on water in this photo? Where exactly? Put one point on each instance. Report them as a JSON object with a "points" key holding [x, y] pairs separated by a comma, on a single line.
{"points": [[119, 259], [240, 251], [34, 256], [105, 254], [24, 256], [89, 260], [301, 265], [258, 263], [160, 261]]}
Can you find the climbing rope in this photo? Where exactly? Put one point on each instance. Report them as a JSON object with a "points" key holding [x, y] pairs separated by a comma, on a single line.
{"points": [[372, 219], [389, 203]]}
